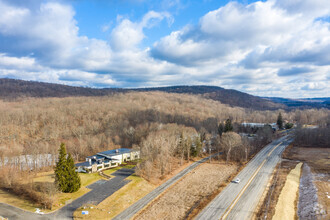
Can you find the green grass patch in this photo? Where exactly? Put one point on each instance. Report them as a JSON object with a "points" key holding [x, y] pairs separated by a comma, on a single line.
{"points": [[14, 200], [64, 197], [119, 201], [112, 170], [89, 178], [129, 166]]}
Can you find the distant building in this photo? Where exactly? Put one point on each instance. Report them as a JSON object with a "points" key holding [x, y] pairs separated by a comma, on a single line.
{"points": [[260, 125], [107, 159]]}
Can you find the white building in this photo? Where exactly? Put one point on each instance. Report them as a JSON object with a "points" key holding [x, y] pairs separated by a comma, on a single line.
{"points": [[107, 159], [260, 125]]}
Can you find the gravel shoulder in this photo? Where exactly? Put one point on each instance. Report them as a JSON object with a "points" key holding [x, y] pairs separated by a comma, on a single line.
{"points": [[285, 208]]}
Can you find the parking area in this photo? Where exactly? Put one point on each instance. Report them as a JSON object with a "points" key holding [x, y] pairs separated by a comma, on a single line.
{"points": [[100, 191]]}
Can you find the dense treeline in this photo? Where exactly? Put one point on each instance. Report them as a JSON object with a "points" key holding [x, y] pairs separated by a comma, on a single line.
{"points": [[316, 137]]}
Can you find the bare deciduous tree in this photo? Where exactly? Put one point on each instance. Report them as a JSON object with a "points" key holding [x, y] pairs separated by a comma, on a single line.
{"points": [[230, 141]]}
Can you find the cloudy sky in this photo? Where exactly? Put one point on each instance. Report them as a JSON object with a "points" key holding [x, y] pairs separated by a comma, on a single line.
{"points": [[265, 48]]}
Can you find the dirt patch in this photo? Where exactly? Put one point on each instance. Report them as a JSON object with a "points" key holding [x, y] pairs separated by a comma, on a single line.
{"points": [[267, 207], [177, 202], [318, 160], [285, 208]]}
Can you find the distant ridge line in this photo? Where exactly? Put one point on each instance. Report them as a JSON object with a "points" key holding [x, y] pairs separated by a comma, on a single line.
{"points": [[12, 89]]}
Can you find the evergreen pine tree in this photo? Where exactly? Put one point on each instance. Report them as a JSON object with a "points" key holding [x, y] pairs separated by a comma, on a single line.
{"points": [[73, 182], [280, 121], [61, 174], [196, 147], [66, 177], [220, 129], [228, 126]]}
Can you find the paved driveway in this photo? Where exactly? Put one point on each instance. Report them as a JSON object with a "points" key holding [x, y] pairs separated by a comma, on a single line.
{"points": [[101, 190]]}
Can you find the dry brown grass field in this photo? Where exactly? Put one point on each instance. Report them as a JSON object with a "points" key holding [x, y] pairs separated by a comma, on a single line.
{"points": [[176, 203]]}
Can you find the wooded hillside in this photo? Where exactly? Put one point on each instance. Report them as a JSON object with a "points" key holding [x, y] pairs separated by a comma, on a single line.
{"points": [[11, 89], [92, 124]]}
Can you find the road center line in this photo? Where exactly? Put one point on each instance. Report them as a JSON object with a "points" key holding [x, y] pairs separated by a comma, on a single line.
{"points": [[245, 187], [274, 149]]}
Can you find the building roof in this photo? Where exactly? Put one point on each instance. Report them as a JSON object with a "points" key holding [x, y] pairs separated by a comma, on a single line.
{"points": [[96, 156], [83, 164], [86, 163], [104, 156], [116, 151]]}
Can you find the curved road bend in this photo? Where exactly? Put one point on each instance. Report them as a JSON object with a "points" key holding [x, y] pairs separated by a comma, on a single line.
{"points": [[139, 205], [238, 201]]}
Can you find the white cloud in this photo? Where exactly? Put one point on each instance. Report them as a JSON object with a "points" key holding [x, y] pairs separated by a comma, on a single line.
{"points": [[266, 48], [306, 8], [22, 63], [315, 86], [127, 35], [247, 45]]}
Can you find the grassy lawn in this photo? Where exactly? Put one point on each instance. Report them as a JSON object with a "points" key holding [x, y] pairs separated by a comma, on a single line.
{"points": [[119, 201], [14, 200], [110, 171], [89, 178], [61, 198], [123, 165], [86, 179], [129, 166]]}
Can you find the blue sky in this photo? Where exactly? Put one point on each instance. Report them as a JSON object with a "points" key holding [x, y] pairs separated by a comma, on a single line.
{"points": [[265, 48], [92, 16]]}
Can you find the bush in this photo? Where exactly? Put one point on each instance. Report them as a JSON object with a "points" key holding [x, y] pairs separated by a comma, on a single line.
{"points": [[20, 183], [288, 125]]}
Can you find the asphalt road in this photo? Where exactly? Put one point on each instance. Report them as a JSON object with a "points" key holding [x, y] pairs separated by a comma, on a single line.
{"points": [[238, 201], [11, 212], [139, 205], [100, 191]]}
